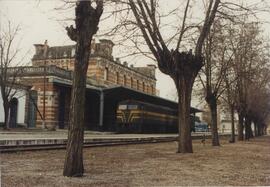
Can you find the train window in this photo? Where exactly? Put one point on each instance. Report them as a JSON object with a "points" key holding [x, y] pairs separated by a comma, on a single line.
{"points": [[122, 107], [132, 107]]}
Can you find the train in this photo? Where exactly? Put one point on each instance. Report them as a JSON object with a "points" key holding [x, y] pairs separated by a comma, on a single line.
{"points": [[141, 117]]}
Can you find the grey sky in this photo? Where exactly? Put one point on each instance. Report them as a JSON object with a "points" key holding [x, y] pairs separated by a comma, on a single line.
{"points": [[39, 22]]}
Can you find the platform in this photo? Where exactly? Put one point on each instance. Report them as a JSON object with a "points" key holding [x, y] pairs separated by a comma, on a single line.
{"points": [[59, 137], [16, 138]]}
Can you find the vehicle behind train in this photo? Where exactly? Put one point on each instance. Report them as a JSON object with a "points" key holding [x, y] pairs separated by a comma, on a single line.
{"points": [[201, 127]]}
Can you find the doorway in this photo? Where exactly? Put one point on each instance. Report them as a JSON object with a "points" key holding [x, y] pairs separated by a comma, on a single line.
{"points": [[13, 113]]}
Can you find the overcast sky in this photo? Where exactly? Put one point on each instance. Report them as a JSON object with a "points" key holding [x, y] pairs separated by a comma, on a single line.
{"points": [[39, 21]]}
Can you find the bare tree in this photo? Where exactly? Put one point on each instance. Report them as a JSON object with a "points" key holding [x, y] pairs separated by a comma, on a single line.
{"points": [[228, 98], [183, 66], [258, 103], [9, 82], [248, 50], [86, 21], [218, 58]]}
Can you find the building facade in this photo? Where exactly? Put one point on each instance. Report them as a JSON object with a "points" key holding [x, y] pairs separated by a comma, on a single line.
{"points": [[103, 68], [19, 109], [224, 122], [50, 81]]}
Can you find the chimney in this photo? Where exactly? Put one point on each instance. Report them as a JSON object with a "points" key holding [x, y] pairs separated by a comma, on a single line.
{"points": [[117, 60], [131, 66], [125, 63], [152, 69], [152, 66], [39, 49], [45, 47]]}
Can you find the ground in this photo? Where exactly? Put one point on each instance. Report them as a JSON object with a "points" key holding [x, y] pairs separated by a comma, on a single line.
{"points": [[242, 163]]}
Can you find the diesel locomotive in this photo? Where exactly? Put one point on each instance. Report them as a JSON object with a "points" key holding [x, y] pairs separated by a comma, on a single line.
{"points": [[140, 117]]}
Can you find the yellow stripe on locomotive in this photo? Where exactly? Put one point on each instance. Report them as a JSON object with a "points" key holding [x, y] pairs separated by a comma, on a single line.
{"points": [[144, 117]]}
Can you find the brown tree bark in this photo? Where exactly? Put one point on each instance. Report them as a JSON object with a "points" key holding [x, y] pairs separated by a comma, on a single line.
{"points": [[255, 128], [233, 126], [259, 129], [87, 20], [240, 127], [248, 130], [212, 102], [187, 68], [6, 112]]}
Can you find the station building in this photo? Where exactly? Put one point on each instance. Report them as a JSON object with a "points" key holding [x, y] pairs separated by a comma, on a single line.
{"points": [[109, 82]]}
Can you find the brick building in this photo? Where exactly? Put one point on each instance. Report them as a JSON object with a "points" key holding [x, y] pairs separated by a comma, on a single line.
{"points": [[50, 79], [49, 83], [102, 67]]}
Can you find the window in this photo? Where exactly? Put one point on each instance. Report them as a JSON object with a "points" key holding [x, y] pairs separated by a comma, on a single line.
{"points": [[152, 89], [122, 107], [131, 82], [137, 84], [125, 80], [73, 52], [117, 78], [132, 107], [106, 72], [143, 86]]}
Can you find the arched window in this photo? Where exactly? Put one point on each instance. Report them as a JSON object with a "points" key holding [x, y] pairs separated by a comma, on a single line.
{"points": [[13, 112], [72, 52], [125, 80], [106, 74], [117, 78], [131, 82]]}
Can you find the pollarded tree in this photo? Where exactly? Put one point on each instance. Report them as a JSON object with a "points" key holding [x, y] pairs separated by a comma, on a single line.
{"points": [[169, 48], [181, 66], [86, 21]]}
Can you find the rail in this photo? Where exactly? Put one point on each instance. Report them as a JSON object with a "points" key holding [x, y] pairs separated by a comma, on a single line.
{"points": [[99, 143]]}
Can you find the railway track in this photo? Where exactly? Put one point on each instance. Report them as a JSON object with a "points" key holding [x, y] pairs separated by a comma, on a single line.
{"points": [[96, 143]]}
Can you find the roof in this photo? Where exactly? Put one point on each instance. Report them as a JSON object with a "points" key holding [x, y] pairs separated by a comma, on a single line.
{"points": [[124, 93], [121, 93]]}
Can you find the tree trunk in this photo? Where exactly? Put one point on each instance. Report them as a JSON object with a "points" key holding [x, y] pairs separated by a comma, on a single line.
{"points": [[251, 135], [255, 128], [259, 129], [264, 129], [240, 127], [233, 127], [212, 102], [6, 114], [184, 73], [248, 130], [184, 122], [87, 19], [74, 155]]}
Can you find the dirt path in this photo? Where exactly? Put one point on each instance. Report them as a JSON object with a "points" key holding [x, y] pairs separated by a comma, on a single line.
{"points": [[243, 163]]}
